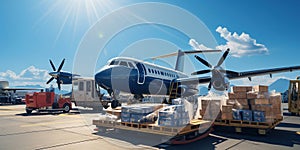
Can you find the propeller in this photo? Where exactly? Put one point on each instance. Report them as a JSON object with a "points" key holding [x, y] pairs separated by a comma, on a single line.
{"points": [[56, 74], [216, 68], [204, 62]]}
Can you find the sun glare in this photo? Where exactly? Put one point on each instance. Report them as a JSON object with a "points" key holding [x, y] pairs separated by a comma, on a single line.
{"points": [[75, 13]]}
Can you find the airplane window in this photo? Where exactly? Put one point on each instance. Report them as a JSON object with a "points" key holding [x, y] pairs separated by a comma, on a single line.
{"points": [[161, 73], [149, 70], [123, 63], [155, 71], [152, 70]]}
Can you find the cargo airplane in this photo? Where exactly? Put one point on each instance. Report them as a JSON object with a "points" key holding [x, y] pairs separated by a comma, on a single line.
{"points": [[140, 78]]}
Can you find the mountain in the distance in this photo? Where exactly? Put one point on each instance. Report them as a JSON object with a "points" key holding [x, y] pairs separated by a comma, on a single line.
{"points": [[56, 90], [280, 85]]}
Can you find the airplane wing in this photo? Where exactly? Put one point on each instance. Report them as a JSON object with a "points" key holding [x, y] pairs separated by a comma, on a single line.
{"points": [[249, 74], [193, 80]]}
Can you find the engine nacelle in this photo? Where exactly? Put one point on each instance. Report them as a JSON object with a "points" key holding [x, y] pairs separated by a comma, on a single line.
{"points": [[187, 91], [220, 84]]}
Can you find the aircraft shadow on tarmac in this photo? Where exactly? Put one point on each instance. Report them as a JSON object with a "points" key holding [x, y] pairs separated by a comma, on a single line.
{"points": [[274, 136], [219, 135]]}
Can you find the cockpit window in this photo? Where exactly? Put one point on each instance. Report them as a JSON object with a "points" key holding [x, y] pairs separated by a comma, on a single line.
{"points": [[114, 63], [123, 63], [130, 65]]}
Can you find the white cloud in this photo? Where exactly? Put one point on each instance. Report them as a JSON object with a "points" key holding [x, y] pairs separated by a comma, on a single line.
{"points": [[29, 76], [195, 45], [240, 45]]}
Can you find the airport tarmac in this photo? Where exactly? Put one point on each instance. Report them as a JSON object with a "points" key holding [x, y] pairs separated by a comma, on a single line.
{"points": [[74, 131]]}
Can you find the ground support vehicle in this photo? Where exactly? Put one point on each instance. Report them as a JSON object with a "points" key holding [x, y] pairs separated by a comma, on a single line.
{"points": [[47, 101], [294, 97]]}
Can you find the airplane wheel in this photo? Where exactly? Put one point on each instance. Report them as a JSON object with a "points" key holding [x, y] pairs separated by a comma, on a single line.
{"points": [[114, 104], [66, 108], [28, 111]]}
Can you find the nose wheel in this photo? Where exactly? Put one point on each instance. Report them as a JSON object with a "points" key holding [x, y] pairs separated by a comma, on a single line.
{"points": [[115, 94]]}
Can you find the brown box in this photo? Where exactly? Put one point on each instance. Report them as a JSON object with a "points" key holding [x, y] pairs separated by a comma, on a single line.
{"points": [[239, 106], [276, 110], [260, 101], [237, 95], [241, 89], [231, 101], [227, 108], [227, 116], [252, 95], [261, 88], [275, 100], [266, 108], [270, 119], [242, 101]]}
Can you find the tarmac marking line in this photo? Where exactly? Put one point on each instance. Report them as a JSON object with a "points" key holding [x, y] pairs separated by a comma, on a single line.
{"points": [[70, 143]]}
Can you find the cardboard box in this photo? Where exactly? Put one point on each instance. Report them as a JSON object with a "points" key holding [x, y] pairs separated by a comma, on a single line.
{"points": [[275, 100], [263, 95], [227, 108], [231, 101], [261, 88], [237, 95], [268, 109], [252, 95], [227, 116], [241, 88], [260, 101], [242, 101]]}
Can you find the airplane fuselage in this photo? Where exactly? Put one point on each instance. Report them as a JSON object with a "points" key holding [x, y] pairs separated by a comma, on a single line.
{"points": [[136, 77]]}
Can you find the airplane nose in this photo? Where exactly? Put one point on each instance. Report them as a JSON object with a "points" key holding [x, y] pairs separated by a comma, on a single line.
{"points": [[103, 78]]}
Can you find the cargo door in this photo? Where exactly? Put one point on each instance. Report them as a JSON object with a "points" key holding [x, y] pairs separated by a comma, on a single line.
{"points": [[141, 73]]}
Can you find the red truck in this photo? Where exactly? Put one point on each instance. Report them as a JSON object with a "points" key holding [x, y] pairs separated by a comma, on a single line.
{"points": [[47, 101]]}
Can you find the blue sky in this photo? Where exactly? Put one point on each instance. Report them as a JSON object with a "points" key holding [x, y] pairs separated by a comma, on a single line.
{"points": [[34, 31]]}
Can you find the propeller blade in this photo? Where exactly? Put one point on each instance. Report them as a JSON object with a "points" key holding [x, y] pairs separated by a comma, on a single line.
{"points": [[49, 80], [223, 57], [203, 61], [58, 83], [209, 86], [61, 65], [201, 72], [52, 65]]}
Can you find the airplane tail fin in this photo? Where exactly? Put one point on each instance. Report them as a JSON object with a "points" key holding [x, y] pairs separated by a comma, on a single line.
{"points": [[180, 61], [180, 56]]}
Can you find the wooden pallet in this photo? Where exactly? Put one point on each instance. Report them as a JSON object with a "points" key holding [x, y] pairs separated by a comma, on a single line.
{"points": [[262, 127], [194, 125]]}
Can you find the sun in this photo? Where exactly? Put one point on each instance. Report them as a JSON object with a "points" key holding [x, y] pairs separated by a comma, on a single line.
{"points": [[75, 13]]}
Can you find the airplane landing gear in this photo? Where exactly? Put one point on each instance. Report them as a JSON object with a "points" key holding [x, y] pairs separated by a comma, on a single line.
{"points": [[115, 103]]}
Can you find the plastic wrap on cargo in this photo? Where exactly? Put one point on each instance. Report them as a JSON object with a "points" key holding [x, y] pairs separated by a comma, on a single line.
{"points": [[246, 115], [135, 113], [108, 117], [174, 115]]}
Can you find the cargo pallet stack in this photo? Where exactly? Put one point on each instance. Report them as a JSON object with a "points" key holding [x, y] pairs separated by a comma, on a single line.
{"points": [[164, 120], [251, 107]]}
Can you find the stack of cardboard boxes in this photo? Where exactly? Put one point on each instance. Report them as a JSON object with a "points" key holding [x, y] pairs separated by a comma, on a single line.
{"points": [[249, 103]]}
